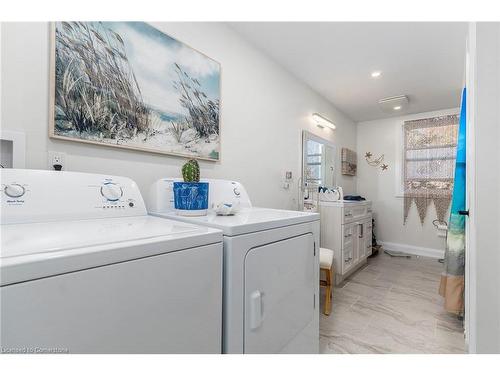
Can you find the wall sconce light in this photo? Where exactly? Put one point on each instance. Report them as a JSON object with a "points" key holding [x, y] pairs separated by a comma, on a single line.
{"points": [[322, 121]]}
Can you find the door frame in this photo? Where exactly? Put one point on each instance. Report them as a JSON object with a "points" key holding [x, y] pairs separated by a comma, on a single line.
{"points": [[470, 222]]}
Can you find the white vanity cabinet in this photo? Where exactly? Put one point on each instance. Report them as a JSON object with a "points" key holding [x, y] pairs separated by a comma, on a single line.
{"points": [[346, 228]]}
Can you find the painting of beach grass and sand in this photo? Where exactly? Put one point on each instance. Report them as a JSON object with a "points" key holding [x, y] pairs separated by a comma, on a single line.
{"points": [[127, 84]]}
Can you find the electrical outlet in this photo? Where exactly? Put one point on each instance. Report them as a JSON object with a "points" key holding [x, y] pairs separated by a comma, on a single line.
{"points": [[287, 180], [57, 158]]}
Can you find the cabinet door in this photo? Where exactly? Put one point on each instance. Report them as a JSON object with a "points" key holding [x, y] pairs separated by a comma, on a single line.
{"points": [[368, 237], [364, 239], [362, 227]]}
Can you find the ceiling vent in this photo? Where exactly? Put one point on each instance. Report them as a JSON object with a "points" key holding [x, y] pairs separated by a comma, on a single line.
{"points": [[394, 104]]}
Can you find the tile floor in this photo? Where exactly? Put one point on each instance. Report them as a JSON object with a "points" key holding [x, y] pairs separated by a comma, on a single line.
{"points": [[392, 305]]}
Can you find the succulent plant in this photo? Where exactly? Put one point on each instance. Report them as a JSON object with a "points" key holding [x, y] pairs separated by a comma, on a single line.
{"points": [[191, 171]]}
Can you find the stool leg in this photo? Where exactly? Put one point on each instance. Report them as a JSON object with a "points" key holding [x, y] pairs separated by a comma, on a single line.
{"points": [[332, 277], [328, 293]]}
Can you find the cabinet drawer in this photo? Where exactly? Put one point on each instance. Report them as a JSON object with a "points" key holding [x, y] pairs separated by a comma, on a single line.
{"points": [[353, 212], [348, 235], [347, 259], [369, 208], [349, 242]]}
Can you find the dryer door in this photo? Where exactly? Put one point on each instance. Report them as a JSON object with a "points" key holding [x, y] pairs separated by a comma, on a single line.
{"points": [[279, 293]]}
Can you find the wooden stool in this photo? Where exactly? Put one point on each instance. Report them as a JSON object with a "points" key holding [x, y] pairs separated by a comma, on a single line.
{"points": [[326, 265]]}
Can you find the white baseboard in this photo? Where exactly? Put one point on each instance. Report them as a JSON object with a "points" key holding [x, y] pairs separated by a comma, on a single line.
{"points": [[413, 250]]}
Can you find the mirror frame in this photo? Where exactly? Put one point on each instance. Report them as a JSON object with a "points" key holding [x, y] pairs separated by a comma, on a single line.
{"points": [[306, 136]]}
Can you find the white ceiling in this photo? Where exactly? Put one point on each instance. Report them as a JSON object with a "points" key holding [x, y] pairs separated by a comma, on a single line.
{"points": [[422, 60]]}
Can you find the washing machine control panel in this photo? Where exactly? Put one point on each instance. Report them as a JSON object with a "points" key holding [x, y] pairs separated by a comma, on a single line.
{"points": [[38, 195], [113, 196]]}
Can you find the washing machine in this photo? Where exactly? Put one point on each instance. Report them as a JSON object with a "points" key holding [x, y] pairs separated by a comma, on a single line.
{"points": [[85, 269], [271, 270]]}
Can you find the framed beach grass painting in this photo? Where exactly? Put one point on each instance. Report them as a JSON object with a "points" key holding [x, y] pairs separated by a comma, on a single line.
{"points": [[129, 85]]}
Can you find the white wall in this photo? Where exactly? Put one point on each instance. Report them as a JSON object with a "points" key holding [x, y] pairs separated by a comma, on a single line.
{"points": [[484, 251], [384, 137], [263, 112]]}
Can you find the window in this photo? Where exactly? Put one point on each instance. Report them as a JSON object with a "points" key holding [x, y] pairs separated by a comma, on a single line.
{"points": [[314, 161], [429, 151]]}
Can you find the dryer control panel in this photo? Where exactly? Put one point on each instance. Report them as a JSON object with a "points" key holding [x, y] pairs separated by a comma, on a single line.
{"points": [[40, 196], [161, 196]]}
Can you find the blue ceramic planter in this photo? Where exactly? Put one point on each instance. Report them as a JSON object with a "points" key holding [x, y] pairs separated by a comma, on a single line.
{"points": [[191, 198]]}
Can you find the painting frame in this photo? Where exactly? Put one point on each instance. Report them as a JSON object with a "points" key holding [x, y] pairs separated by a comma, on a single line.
{"points": [[52, 107], [348, 161]]}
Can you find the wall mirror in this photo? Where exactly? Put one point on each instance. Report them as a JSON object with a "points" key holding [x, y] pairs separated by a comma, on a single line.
{"points": [[318, 165], [318, 160]]}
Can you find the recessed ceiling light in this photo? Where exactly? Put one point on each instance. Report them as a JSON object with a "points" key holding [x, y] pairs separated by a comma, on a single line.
{"points": [[394, 103], [376, 74]]}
